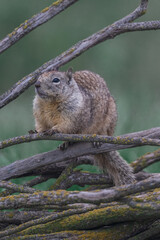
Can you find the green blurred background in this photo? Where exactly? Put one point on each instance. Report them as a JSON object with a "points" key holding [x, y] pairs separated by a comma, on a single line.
{"points": [[129, 63]]}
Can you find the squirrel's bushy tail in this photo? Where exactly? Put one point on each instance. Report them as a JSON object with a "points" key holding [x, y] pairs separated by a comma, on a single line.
{"points": [[116, 167]]}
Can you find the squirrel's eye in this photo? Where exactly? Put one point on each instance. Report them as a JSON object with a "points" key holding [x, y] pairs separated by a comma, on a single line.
{"points": [[55, 80]]}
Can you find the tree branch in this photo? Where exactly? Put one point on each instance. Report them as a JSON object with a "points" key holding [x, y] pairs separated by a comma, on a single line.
{"points": [[47, 214], [111, 232], [23, 188], [37, 20], [16, 188], [126, 139], [107, 33], [146, 160], [64, 176], [138, 12], [43, 220], [84, 178], [94, 219], [22, 167], [19, 216], [63, 197], [150, 233]]}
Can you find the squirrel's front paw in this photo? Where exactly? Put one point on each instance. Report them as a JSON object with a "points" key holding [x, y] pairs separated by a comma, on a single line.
{"points": [[32, 131], [50, 132]]}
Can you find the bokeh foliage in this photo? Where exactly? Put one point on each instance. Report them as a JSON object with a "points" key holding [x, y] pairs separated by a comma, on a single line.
{"points": [[129, 63]]}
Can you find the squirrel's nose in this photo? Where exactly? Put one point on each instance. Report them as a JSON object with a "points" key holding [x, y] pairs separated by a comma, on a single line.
{"points": [[37, 84]]}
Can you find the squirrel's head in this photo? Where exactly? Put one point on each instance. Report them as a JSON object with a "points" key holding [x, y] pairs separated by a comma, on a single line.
{"points": [[55, 85]]}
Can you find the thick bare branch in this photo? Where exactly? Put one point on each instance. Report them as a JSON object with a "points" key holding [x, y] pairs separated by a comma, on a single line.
{"points": [[50, 163], [37, 20]]}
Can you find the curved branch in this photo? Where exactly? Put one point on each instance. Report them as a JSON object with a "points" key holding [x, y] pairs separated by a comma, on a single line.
{"points": [[37, 20], [138, 12], [107, 33], [146, 160], [126, 139]]}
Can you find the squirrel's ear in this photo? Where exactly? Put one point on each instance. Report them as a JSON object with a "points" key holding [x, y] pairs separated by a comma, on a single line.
{"points": [[69, 74]]}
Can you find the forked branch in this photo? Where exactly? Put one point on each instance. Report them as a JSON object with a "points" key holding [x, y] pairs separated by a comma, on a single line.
{"points": [[119, 27]]}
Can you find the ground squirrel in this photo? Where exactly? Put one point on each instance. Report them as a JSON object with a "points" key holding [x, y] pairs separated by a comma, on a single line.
{"points": [[80, 103]]}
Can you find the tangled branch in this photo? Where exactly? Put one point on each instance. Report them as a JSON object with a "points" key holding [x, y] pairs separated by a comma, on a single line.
{"points": [[127, 212]]}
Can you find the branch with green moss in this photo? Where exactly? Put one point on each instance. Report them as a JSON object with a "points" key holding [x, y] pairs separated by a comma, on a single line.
{"points": [[19, 216], [16, 187], [62, 197], [128, 207], [92, 219], [43, 220], [115, 232], [64, 176], [146, 160]]}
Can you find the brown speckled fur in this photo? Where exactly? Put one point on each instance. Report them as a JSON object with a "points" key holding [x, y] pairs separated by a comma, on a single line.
{"points": [[80, 104]]}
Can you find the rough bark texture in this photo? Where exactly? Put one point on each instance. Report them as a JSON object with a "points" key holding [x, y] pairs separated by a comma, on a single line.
{"points": [[101, 211]]}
